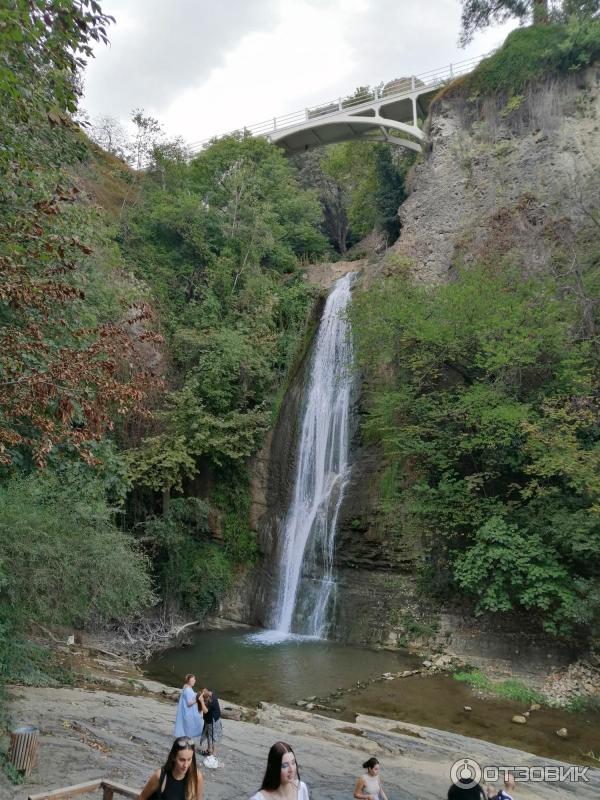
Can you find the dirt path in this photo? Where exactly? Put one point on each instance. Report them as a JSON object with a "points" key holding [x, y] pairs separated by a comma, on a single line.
{"points": [[86, 734]]}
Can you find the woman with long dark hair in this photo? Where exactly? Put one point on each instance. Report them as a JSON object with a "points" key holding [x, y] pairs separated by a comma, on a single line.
{"points": [[179, 779], [282, 777], [368, 786]]}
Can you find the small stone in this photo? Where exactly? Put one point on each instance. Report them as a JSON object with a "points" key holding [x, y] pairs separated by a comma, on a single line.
{"points": [[387, 675], [301, 703], [468, 708], [310, 699], [534, 707], [310, 706], [427, 664], [519, 719], [526, 713], [562, 732]]}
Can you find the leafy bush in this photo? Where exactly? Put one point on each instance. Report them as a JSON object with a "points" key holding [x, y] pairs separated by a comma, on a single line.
{"points": [[192, 571], [529, 54], [232, 498], [483, 395], [583, 703], [63, 560], [29, 664], [506, 566]]}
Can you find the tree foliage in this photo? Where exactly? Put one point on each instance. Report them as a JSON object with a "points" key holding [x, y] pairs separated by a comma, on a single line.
{"points": [[360, 186], [62, 558], [61, 378], [44, 45], [190, 571], [480, 14], [219, 241], [483, 394], [67, 358], [529, 54]]}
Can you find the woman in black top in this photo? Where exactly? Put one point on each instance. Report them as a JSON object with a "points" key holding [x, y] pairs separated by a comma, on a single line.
{"points": [[212, 733], [179, 779]]}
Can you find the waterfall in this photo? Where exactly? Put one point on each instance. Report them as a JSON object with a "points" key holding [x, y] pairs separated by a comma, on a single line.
{"points": [[306, 581]]}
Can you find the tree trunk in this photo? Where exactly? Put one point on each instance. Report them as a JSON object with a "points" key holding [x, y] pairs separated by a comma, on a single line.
{"points": [[540, 12], [166, 499]]}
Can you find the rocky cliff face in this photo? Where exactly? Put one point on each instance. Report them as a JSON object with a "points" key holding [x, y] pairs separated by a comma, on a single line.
{"points": [[516, 182], [513, 181], [272, 474]]}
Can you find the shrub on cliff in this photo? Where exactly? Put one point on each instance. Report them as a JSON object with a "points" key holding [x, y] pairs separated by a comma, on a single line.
{"points": [[529, 54]]}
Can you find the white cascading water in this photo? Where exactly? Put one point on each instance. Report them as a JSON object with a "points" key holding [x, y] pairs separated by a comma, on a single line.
{"points": [[306, 580]]}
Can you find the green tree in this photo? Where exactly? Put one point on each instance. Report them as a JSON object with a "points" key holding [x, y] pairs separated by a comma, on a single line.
{"points": [[44, 45], [364, 187], [220, 240], [480, 14], [182, 554], [390, 171], [351, 166], [61, 378]]}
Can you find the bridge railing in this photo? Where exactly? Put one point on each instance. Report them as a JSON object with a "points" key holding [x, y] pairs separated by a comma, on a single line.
{"points": [[397, 89]]}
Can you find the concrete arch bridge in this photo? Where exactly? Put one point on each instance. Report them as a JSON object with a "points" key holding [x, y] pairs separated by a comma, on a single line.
{"points": [[390, 113]]}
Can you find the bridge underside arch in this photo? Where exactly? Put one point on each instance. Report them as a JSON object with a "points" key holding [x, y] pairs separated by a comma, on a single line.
{"points": [[345, 127]]}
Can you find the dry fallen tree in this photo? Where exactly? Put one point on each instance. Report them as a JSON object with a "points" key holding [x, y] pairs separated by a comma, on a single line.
{"points": [[140, 639]]}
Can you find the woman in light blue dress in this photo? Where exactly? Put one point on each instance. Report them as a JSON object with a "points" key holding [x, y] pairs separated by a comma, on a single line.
{"points": [[189, 721]]}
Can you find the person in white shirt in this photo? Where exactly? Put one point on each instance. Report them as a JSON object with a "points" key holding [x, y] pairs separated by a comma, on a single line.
{"points": [[282, 777], [368, 786]]}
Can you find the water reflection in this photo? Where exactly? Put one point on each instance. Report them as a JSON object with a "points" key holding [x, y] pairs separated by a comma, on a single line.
{"points": [[249, 666]]}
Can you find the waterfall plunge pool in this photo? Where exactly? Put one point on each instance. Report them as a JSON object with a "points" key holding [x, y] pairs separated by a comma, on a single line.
{"points": [[246, 666]]}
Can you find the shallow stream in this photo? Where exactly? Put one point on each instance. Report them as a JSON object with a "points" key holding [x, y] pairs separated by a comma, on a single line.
{"points": [[246, 667]]}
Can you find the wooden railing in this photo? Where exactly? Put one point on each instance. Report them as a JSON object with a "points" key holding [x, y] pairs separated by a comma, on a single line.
{"points": [[109, 790]]}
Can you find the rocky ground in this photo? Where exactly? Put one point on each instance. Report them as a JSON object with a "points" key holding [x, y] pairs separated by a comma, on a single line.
{"points": [[580, 679], [91, 733]]}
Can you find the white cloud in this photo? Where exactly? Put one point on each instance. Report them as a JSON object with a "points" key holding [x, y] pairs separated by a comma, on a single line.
{"points": [[205, 68], [158, 49]]}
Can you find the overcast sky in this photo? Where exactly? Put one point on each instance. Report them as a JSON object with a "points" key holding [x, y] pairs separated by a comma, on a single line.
{"points": [[205, 67]]}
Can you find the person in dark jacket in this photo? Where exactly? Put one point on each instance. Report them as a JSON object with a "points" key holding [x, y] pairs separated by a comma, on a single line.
{"points": [[464, 790], [212, 732]]}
